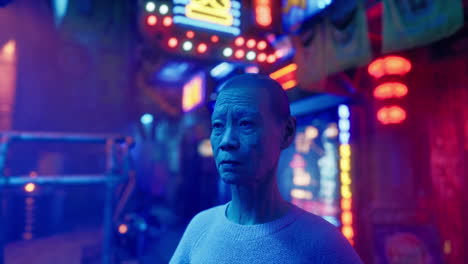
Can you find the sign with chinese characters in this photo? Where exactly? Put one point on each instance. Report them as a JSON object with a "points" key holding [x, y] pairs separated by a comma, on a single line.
{"points": [[216, 15]]}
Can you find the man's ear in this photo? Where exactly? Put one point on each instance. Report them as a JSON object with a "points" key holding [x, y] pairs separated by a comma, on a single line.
{"points": [[289, 132]]}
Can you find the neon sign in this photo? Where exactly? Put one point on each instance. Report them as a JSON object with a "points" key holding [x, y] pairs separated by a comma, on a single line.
{"points": [[263, 12], [390, 90], [218, 15], [286, 76], [391, 65], [194, 93], [391, 115], [345, 166]]}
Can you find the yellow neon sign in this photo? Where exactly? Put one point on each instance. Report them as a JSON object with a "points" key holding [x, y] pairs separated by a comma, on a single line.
{"points": [[192, 94], [345, 150], [345, 164], [214, 11], [346, 191], [345, 178]]}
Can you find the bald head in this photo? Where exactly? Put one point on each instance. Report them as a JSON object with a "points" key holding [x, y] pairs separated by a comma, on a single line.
{"points": [[261, 86]]}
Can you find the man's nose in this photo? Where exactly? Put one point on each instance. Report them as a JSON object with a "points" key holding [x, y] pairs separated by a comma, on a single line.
{"points": [[229, 140]]}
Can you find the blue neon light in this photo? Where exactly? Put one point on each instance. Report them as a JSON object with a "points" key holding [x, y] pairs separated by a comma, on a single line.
{"points": [[201, 24], [343, 111], [344, 137], [181, 2], [235, 4], [236, 13], [179, 10], [221, 70], [146, 119], [344, 124]]}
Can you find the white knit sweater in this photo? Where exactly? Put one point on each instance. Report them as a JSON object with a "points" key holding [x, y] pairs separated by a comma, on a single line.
{"points": [[297, 237]]}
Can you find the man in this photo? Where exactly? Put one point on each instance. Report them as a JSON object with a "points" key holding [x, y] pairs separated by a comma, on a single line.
{"points": [[251, 125]]}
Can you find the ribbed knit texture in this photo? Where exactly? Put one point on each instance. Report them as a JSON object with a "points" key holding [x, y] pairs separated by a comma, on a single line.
{"points": [[297, 237]]}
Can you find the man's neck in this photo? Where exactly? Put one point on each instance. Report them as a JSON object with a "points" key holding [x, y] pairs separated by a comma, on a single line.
{"points": [[256, 204]]}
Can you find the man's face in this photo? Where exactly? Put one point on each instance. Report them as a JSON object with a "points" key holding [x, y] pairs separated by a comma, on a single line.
{"points": [[245, 136]]}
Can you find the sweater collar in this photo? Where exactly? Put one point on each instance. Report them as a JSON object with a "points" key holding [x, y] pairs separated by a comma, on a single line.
{"points": [[248, 232]]}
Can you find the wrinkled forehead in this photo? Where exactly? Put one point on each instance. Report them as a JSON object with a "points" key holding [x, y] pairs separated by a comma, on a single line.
{"points": [[237, 111], [242, 99]]}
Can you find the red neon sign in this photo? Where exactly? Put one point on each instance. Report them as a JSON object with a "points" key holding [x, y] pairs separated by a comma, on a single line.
{"points": [[167, 21], [239, 54], [391, 115], [261, 57], [391, 65], [239, 41], [172, 42], [202, 47], [390, 90], [271, 58], [261, 45], [214, 39], [151, 20], [251, 43]]}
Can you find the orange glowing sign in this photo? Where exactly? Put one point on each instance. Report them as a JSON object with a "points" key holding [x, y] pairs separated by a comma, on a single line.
{"points": [[193, 93], [289, 84], [347, 218], [283, 71], [391, 65], [348, 232], [346, 204], [286, 76], [263, 14], [390, 90], [391, 115]]}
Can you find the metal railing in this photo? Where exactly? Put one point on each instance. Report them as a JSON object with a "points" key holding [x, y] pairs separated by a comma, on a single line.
{"points": [[117, 168]]}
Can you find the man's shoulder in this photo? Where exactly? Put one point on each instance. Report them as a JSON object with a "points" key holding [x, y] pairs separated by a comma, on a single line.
{"points": [[195, 230], [324, 240], [317, 223], [314, 227], [202, 222], [205, 217]]}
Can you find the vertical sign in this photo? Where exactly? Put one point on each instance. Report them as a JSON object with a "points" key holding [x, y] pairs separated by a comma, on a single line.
{"points": [[345, 173], [7, 83]]}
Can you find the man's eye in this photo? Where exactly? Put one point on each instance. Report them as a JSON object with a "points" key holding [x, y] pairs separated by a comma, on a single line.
{"points": [[245, 123], [217, 125]]}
